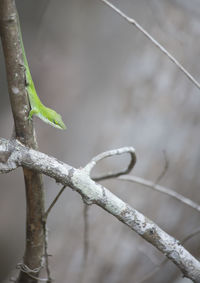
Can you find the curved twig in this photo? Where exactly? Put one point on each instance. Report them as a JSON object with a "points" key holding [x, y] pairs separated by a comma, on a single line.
{"points": [[88, 168]]}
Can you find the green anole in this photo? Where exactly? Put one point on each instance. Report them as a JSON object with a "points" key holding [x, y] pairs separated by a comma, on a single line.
{"points": [[46, 114]]}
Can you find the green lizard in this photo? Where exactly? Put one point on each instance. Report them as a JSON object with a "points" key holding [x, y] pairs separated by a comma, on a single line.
{"points": [[46, 114]]}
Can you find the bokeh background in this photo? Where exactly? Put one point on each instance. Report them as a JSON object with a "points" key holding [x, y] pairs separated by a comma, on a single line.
{"points": [[113, 88]]}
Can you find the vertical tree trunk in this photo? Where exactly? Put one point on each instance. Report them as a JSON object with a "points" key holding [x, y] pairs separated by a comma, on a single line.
{"points": [[9, 31]]}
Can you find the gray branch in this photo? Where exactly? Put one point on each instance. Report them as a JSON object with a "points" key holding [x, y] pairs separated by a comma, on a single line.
{"points": [[167, 191], [154, 41], [13, 154]]}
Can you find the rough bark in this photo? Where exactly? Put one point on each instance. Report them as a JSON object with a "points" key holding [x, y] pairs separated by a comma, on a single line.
{"points": [[24, 131]]}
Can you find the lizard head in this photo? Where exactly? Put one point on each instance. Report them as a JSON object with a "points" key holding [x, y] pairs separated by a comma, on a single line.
{"points": [[53, 118]]}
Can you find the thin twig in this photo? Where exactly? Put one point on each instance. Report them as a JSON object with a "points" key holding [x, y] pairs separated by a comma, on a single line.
{"points": [[86, 233], [53, 203], [46, 255], [110, 153], [43, 11], [161, 189], [190, 235], [166, 166], [85, 242], [154, 41]]}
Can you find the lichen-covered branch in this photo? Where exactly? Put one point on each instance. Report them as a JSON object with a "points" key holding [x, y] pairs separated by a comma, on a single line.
{"points": [[13, 154]]}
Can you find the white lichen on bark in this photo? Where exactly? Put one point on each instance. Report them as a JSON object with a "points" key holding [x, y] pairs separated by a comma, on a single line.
{"points": [[14, 154]]}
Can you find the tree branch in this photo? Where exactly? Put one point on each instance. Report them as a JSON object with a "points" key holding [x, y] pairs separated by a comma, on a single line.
{"points": [[161, 189], [154, 41], [158, 267], [24, 131], [93, 193], [110, 153]]}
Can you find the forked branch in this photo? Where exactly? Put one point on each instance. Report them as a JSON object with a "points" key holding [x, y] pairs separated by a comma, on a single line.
{"points": [[13, 154]]}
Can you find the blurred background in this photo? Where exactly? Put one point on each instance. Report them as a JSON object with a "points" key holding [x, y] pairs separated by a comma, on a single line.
{"points": [[113, 88]]}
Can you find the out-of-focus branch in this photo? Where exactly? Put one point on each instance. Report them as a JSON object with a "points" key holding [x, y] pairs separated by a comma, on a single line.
{"points": [[141, 181], [161, 189], [190, 235], [14, 154], [53, 203], [164, 171], [154, 41], [10, 36]]}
